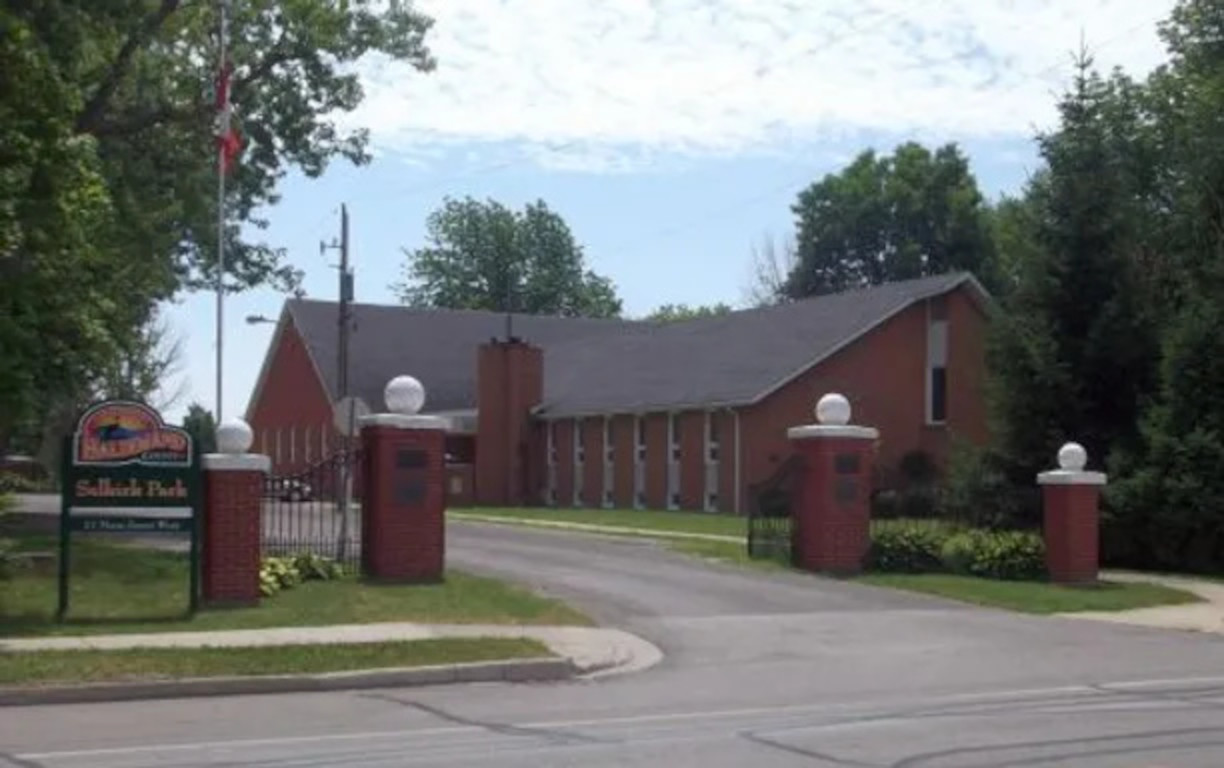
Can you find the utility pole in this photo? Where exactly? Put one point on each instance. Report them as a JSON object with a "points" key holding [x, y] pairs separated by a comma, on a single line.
{"points": [[346, 296], [344, 327]]}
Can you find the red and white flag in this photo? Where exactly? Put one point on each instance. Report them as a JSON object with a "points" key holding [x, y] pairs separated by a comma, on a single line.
{"points": [[228, 140]]}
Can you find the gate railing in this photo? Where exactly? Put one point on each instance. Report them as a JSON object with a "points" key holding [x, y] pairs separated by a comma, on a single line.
{"points": [[315, 510], [770, 512]]}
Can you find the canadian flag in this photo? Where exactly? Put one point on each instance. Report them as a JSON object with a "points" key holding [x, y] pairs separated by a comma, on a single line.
{"points": [[228, 141]]}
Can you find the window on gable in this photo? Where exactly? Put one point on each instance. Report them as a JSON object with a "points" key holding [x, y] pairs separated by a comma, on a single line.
{"points": [[937, 371]]}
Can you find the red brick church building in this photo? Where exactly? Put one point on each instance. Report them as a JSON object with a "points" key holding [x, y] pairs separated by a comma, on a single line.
{"points": [[617, 413]]}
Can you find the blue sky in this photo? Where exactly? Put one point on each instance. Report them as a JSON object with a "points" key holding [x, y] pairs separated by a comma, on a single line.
{"points": [[672, 135]]}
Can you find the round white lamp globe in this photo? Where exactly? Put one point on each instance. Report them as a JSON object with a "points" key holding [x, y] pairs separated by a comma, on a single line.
{"points": [[833, 409], [234, 436], [1072, 457], [404, 395]]}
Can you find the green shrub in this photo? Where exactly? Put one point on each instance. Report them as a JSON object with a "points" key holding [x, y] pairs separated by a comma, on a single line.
{"points": [[8, 547], [908, 546], [277, 573], [11, 482], [981, 489], [317, 567], [1011, 555]]}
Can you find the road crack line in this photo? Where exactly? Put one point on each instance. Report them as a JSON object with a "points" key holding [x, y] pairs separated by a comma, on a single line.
{"points": [[756, 738], [551, 736]]}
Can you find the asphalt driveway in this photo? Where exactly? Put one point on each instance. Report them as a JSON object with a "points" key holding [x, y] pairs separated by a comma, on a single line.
{"points": [[761, 668]]}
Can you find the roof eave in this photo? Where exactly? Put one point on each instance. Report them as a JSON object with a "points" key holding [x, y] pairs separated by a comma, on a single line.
{"points": [[266, 366], [282, 323], [977, 291], [542, 412]]}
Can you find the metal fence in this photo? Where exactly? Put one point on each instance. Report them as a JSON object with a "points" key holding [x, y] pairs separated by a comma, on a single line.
{"points": [[770, 512], [315, 510]]}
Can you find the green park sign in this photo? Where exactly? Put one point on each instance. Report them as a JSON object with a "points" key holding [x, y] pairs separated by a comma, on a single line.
{"points": [[122, 456]]}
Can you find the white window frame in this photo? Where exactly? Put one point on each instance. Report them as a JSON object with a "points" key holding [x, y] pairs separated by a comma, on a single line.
{"points": [[639, 462], [674, 458], [306, 445], [937, 357], [712, 453], [579, 453], [550, 433], [609, 463]]}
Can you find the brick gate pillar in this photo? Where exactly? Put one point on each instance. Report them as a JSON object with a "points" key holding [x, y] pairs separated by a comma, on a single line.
{"points": [[1071, 517], [233, 502], [832, 509], [403, 488]]}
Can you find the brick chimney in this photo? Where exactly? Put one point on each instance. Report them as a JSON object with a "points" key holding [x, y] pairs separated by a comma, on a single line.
{"points": [[509, 383]]}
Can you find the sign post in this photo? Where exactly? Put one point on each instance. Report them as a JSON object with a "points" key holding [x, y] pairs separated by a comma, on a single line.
{"points": [[123, 456]]}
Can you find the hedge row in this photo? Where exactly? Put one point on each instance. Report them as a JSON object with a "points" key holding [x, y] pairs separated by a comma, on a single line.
{"points": [[932, 546]]}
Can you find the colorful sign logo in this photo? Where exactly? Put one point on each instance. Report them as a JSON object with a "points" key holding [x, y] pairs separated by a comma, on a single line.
{"points": [[119, 432]]}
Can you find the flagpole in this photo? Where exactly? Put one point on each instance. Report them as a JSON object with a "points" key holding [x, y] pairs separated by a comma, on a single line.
{"points": [[221, 149]]}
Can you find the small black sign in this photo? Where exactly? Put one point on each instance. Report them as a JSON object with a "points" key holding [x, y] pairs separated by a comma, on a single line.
{"points": [[411, 458], [846, 463]]}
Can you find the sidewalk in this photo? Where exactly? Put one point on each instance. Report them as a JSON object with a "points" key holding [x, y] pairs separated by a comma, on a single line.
{"points": [[1207, 616], [590, 649]]}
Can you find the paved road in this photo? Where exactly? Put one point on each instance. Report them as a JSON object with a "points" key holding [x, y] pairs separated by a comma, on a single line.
{"points": [[762, 669]]}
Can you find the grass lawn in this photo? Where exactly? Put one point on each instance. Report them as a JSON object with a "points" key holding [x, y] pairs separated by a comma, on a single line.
{"points": [[650, 520], [121, 589], [1033, 596], [43, 667]]}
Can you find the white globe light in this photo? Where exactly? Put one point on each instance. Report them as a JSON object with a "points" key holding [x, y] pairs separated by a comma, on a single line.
{"points": [[234, 436], [1072, 457], [404, 395], [833, 409]]}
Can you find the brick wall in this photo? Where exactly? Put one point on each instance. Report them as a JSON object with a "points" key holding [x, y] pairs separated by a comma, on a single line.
{"points": [[509, 383], [292, 408], [403, 538], [231, 545], [592, 484], [657, 457], [884, 376], [692, 459]]}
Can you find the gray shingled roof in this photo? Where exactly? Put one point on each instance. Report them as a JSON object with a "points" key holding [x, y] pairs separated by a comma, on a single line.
{"points": [[438, 347], [602, 366], [732, 359]]}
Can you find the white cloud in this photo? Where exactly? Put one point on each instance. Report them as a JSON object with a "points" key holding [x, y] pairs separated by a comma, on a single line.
{"points": [[607, 84]]}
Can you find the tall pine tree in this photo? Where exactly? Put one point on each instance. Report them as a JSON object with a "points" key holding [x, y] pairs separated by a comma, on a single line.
{"points": [[1072, 354]]}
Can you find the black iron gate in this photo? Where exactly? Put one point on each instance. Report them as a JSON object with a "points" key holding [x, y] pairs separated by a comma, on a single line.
{"points": [[770, 512], [316, 510]]}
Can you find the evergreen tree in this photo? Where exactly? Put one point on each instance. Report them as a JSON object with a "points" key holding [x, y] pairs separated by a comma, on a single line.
{"points": [[1167, 499], [1072, 356]]}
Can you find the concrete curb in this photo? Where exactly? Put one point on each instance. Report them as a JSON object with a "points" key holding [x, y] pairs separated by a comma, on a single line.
{"points": [[518, 671], [611, 530]]}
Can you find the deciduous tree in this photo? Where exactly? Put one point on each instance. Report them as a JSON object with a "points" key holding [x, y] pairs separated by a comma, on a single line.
{"points": [[893, 217], [675, 313], [483, 255]]}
